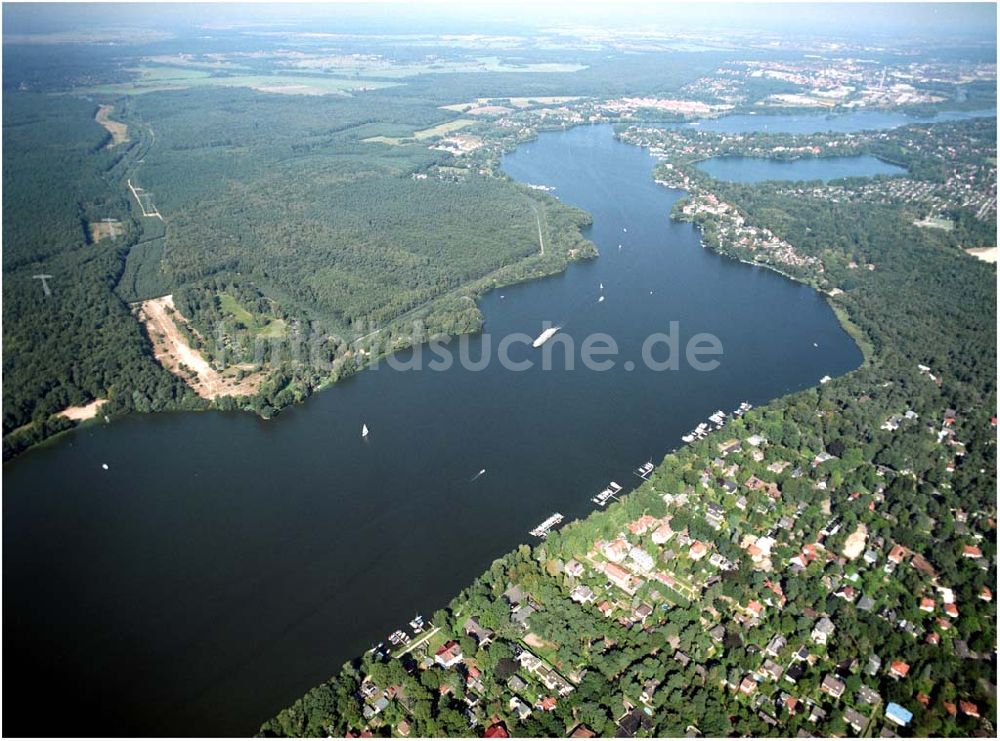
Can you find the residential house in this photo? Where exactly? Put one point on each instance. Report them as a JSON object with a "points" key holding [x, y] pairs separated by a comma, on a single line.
{"points": [[715, 514], [898, 714], [583, 594], [474, 630], [874, 665], [794, 673], [971, 551], [867, 696], [522, 613], [663, 533], [729, 446], [832, 686], [822, 631], [615, 550], [546, 704], [497, 730], [899, 669], [771, 670], [855, 720], [515, 596], [968, 708], [649, 688], [621, 578], [775, 646], [519, 707], [449, 654], [642, 525], [574, 568], [642, 560], [697, 551]]}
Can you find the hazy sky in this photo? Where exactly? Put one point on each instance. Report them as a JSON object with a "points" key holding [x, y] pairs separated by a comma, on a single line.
{"points": [[837, 19]]}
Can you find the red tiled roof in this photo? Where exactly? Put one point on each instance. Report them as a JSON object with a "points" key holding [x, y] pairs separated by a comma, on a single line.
{"points": [[969, 708], [900, 667], [497, 730]]}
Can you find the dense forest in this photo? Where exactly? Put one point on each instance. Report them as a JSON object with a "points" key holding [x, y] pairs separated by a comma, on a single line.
{"points": [[331, 236], [81, 342]]}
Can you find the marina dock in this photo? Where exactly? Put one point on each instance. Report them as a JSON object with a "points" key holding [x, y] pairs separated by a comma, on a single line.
{"points": [[645, 470], [607, 495], [716, 421], [550, 522]]}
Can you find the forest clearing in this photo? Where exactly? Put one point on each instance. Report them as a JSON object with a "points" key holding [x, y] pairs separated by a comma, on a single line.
{"points": [[173, 351], [118, 130]]}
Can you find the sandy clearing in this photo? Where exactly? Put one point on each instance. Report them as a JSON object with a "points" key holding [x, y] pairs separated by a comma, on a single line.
{"points": [[537, 642], [105, 229], [172, 350], [854, 546], [118, 130], [78, 414], [986, 254]]}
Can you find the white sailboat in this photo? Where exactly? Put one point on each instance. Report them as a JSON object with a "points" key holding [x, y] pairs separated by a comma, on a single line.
{"points": [[602, 288], [364, 430]]}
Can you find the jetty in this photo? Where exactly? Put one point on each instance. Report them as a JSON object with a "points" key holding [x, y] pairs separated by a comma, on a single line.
{"points": [[550, 522], [645, 470], [718, 420], [607, 494]]}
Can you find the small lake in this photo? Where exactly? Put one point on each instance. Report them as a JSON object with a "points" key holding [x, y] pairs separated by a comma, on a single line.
{"points": [[224, 564], [759, 169]]}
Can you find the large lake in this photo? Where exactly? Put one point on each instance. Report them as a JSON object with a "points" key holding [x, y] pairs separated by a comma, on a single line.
{"points": [[224, 564], [759, 169]]}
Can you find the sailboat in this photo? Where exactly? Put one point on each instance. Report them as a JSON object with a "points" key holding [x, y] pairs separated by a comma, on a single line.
{"points": [[602, 286], [364, 430]]}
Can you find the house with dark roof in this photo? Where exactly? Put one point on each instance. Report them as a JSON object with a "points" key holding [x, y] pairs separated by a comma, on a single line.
{"points": [[855, 720], [832, 686], [867, 696], [474, 630]]}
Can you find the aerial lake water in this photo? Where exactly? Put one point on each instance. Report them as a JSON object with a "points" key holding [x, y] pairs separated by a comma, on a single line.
{"points": [[223, 564], [816, 123], [759, 169]]}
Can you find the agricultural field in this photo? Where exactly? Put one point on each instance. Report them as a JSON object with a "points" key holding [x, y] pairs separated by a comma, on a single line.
{"points": [[430, 133], [152, 79]]}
